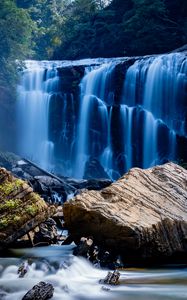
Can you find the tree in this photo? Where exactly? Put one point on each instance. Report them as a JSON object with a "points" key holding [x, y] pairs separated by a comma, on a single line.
{"points": [[15, 36], [48, 16], [150, 28]]}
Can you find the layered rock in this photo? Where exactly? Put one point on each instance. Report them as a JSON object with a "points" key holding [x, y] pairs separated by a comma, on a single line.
{"points": [[21, 209], [142, 215]]}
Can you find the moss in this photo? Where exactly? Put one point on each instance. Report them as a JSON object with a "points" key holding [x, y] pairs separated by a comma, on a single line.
{"points": [[32, 209], [18, 183], [35, 198], [16, 219], [10, 205], [7, 221], [4, 223], [18, 204], [7, 187]]}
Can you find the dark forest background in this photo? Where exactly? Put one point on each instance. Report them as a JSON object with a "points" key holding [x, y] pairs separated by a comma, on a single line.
{"points": [[66, 29]]}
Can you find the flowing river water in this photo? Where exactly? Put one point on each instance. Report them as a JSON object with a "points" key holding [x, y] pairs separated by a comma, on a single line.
{"points": [[74, 278]]}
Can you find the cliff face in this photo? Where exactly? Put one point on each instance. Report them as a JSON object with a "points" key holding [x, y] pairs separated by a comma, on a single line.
{"points": [[143, 214], [20, 208]]}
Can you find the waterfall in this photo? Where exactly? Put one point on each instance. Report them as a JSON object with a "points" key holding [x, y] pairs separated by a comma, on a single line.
{"points": [[95, 95], [156, 88], [127, 123], [67, 134], [35, 92], [107, 155], [165, 88], [120, 113]]}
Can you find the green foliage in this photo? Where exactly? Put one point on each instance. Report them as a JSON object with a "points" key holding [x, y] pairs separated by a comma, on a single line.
{"points": [[47, 16], [125, 27], [15, 36], [73, 29]]}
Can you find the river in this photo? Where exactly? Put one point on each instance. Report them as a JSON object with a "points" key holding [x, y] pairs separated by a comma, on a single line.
{"points": [[74, 278]]}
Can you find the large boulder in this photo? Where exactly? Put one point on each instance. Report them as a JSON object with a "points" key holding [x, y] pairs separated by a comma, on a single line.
{"points": [[142, 215], [21, 209]]}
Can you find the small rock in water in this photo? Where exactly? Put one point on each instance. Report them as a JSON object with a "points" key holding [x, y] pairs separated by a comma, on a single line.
{"points": [[41, 291], [47, 233], [83, 247], [23, 269], [111, 278]]}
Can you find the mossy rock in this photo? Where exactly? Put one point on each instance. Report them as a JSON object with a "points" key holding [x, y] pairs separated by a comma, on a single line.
{"points": [[20, 208]]}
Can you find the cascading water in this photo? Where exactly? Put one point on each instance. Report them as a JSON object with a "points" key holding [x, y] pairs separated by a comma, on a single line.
{"points": [[74, 278], [106, 158], [95, 95], [33, 114], [155, 87], [126, 113]]}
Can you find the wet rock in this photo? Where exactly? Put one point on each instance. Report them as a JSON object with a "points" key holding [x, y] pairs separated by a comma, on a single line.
{"points": [[8, 160], [53, 189], [23, 269], [143, 215], [41, 291], [96, 255], [90, 184], [18, 171], [83, 247], [112, 278], [109, 260], [47, 233], [93, 169]]}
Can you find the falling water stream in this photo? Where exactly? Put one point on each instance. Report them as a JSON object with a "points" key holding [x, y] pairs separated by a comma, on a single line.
{"points": [[33, 116]]}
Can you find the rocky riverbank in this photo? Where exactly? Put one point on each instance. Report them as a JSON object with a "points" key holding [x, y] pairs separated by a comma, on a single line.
{"points": [[142, 217]]}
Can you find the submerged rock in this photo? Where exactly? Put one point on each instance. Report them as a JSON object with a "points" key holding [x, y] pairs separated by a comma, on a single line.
{"points": [[21, 209], [142, 215]]}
